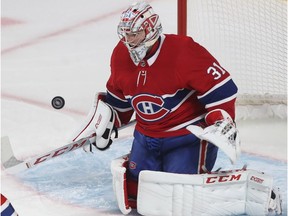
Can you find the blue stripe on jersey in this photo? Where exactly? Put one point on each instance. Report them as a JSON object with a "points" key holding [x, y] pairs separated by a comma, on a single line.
{"points": [[172, 101], [222, 92], [8, 211], [117, 103]]}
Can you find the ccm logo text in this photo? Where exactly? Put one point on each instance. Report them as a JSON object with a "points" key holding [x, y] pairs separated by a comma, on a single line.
{"points": [[224, 178]]}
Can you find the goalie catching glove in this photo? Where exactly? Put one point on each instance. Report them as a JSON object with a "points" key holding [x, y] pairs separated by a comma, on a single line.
{"points": [[222, 132], [99, 125], [104, 126]]}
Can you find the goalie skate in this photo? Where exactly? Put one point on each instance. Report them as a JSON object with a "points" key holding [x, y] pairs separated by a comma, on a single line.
{"points": [[275, 203]]}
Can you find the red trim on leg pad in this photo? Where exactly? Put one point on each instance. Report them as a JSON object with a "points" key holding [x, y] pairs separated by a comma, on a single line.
{"points": [[131, 189]]}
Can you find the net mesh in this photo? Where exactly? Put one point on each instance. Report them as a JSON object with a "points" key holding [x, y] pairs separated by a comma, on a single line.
{"points": [[249, 39]]}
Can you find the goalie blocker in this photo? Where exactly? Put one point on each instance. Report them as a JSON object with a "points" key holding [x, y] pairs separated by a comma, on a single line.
{"points": [[232, 192]]}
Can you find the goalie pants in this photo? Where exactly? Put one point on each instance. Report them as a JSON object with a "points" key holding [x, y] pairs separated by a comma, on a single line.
{"points": [[182, 154]]}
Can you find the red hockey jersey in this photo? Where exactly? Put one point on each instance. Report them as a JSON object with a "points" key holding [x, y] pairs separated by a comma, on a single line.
{"points": [[175, 87]]}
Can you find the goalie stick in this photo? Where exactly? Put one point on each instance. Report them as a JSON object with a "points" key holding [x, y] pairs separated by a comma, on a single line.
{"points": [[13, 165]]}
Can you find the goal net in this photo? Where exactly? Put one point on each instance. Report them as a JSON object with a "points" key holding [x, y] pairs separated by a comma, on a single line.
{"points": [[249, 39]]}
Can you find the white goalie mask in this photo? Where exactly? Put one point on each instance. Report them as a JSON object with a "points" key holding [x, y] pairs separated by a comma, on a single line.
{"points": [[140, 23]]}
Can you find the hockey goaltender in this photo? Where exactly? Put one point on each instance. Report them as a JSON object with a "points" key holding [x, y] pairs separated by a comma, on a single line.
{"points": [[184, 103]]}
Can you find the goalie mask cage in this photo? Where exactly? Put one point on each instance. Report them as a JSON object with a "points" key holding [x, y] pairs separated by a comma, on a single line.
{"points": [[249, 39]]}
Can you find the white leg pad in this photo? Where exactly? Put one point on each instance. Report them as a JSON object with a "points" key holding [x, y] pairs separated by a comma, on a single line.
{"points": [[224, 193], [119, 183]]}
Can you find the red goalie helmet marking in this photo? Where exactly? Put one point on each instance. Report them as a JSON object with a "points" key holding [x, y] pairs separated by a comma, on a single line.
{"points": [[149, 107], [149, 24]]}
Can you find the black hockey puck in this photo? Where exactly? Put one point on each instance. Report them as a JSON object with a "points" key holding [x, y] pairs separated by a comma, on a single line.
{"points": [[58, 102]]}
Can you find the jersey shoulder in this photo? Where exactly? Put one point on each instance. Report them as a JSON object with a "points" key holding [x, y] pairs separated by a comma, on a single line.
{"points": [[179, 40], [185, 45], [120, 54]]}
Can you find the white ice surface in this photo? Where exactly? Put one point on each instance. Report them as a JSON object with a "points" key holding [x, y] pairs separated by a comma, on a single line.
{"points": [[63, 48]]}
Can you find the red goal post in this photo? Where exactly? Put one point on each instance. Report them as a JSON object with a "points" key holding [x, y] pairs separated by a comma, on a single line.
{"points": [[182, 17], [249, 39]]}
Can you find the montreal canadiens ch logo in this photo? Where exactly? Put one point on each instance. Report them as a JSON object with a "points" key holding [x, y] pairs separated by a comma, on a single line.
{"points": [[149, 107]]}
